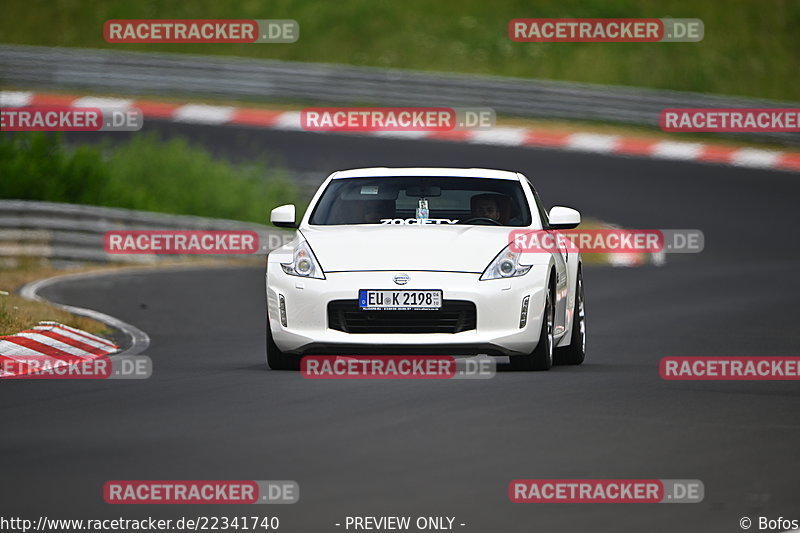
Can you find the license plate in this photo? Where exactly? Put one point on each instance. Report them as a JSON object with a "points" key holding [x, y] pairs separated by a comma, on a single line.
{"points": [[407, 300]]}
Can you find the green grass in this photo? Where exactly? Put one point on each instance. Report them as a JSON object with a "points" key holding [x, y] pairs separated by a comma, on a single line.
{"points": [[751, 47], [146, 173], [17, 313]]}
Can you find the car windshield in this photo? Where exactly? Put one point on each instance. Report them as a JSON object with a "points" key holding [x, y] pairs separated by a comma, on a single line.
{"points": [[422, 200]]}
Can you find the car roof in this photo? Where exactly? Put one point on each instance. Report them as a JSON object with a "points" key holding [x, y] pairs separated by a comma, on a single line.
{"points": [[379, 172]]}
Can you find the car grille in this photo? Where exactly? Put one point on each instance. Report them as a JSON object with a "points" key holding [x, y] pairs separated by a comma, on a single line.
{"points": [[453, 317]]}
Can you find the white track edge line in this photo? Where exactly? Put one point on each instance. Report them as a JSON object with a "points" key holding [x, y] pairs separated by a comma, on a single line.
{"points": [[139, 339]]}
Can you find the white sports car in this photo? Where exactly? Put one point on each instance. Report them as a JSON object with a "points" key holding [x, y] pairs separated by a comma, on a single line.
{"points": [[417, 261]]}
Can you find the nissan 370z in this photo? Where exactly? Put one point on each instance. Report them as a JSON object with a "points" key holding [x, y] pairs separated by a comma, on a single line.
{"points": [[419, 261]]}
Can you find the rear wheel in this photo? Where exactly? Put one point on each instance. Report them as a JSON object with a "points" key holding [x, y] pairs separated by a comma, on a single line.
{"points": [[541, 358], [276, 359], [575, 353]]}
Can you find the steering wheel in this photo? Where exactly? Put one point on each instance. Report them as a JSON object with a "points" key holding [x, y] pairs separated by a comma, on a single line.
{"points": [[481, 221]]}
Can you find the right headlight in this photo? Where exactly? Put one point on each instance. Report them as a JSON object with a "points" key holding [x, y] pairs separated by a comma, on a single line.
{"points": [[505, 265], [303, 264]]}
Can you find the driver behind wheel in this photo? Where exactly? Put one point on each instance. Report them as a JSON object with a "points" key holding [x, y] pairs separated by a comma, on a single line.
{"points": [[493, 206]]}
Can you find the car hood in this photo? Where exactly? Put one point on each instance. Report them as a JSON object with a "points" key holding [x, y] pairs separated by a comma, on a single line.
{"points": [[407, 247]]}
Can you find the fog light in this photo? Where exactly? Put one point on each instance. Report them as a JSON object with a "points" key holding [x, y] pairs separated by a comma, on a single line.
{"points": [[523, 316], [282, 301]]}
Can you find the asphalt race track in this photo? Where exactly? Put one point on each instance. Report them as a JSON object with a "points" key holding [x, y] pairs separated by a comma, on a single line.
{"points": [[212, 410]]}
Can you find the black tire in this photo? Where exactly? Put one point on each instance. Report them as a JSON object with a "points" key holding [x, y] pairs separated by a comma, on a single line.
{"points": [[276, 359], [575, 353], [541, 358]]}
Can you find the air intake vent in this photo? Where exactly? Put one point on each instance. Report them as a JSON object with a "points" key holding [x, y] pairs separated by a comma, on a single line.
{"points": [[453, 317]]}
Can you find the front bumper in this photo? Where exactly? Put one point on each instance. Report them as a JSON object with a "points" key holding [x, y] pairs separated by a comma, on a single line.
{"points": [[498, 306]]}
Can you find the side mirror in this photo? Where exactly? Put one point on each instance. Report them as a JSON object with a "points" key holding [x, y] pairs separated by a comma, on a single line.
{"points": [[564, 218], [283, 216]]}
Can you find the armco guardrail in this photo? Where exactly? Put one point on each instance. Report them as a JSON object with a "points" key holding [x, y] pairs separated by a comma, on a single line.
{"points": [[75, 232], [149, 73]]}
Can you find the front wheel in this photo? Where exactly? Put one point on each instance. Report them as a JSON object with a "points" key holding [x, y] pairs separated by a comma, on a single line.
{"points": [[276, 359], [575, 353], [542, 356]]}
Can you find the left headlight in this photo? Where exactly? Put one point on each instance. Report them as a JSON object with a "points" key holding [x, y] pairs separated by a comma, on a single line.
{"points": [[304, 264], [505, 265]]}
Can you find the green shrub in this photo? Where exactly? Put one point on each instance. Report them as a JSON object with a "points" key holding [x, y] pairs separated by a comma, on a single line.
{"points": [[145, 173]]}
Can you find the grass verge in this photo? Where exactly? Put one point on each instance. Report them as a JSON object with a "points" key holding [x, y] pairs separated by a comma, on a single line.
{"points": [[18, 314]]}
